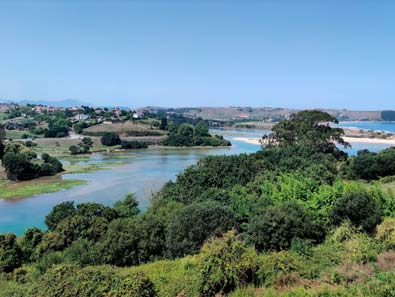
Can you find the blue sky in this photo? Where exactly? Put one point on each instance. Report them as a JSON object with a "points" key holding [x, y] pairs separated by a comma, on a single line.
{"points": [[298, 54]]}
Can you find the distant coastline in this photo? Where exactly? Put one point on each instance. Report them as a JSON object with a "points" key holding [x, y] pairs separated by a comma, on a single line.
{"points": [[256, 141]]}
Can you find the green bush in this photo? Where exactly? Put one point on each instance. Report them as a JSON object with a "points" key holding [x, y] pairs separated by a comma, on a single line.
{"points": [[127, 145], [196, 223], [360, 208], [110, 139], [278, 225], [226, 264], [71, 281], [276, 267], [10, 253]]}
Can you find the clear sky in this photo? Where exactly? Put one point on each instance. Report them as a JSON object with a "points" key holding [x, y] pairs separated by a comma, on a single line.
{"points": [[299, 54]]}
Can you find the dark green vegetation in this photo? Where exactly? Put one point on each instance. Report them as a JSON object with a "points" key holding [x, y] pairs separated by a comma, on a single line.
{"points": [[83, 147], [127, 145], [189, 135], [371, 166], [21, 163], [110, 139], [294, 219]]}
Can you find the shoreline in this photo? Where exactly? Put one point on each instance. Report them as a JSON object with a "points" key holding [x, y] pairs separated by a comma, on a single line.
{"points": [[348, 139]]}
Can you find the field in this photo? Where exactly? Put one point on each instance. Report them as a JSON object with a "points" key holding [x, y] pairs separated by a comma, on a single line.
{"points": [[129, 128], [60, 146], [261, 113]]}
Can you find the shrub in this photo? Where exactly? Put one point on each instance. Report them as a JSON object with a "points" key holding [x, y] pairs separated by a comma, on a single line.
{"points": [[120, 244], [385, 233], [279, 225], [74, 150], [133, 144], [226, 263], [277, 267], [70, 281], [128, 207], [58, 213], [110, 139], [19, 167], [196, 223], [10, 253], [358, 207]]}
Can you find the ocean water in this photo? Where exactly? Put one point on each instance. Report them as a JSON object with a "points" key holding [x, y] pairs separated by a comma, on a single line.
{"points": [[378, 126]]}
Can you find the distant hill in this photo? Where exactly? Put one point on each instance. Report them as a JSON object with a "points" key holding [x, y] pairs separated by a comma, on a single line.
{"points": [[239, 113], [60, 103]]}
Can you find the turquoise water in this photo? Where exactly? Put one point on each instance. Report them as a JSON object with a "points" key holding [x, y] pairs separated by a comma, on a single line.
{"points": [[379, 126], [143, 173]]}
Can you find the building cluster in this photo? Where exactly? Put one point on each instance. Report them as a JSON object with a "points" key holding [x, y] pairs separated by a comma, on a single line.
{"points": [[7, 106]]}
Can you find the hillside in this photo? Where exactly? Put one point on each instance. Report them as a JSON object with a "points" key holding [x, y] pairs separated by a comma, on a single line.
{"points": [[265, 113]]}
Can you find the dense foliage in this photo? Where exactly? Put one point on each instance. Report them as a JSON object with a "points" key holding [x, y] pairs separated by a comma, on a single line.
{"points": [[368, 165], [284, 218], [134, 144], [310, 128], [20, 163], [83, 147], [189, 135], [110, 139]]}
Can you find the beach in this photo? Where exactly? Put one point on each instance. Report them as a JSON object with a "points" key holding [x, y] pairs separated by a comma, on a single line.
{"points": [[348, 139]]}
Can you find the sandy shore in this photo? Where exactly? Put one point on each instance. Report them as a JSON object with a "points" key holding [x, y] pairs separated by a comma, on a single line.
{"points": [[248, 140], [348, 139], [369, 140]]}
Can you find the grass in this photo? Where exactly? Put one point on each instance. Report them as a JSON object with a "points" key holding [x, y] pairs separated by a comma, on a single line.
{"points": [[86, 168], [3, 116], [15, 134], [128, 128], [21, 189], [59, 147]]}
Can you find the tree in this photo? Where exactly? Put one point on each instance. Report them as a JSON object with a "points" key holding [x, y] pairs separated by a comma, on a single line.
{"points": [[2, 137], [310, 128], [201, 130], [74, 150], [186, 130], [19, 167], [86, 144], [57, 128], [358, 207], [19, 148], [110, 139], [94, 210], [277, 226], [10, 253], [163, 124], [128, 207], [370, 166], [120, 244], [196, 223], [1, 150], [28, 243], [134, 144], [58, 213]]}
